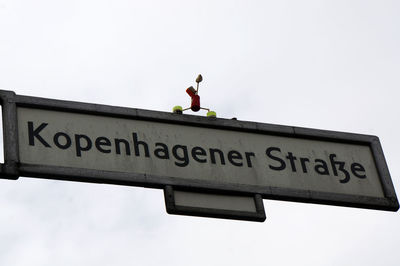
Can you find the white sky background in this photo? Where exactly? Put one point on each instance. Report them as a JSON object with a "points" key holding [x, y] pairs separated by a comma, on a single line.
{"points": [[320, 64]]}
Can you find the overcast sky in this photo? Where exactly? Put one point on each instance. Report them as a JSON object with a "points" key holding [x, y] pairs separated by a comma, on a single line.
{"points": [[319, 64]]}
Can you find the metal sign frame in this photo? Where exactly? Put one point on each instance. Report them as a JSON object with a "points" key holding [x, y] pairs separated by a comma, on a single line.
{"points": [[13, 168]]}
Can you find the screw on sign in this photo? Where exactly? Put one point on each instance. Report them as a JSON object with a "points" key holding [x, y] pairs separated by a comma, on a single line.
{"points": [[195, 100]]}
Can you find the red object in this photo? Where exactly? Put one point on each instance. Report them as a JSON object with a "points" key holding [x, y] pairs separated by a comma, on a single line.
{"points": [[195, 106], [191, 91]]}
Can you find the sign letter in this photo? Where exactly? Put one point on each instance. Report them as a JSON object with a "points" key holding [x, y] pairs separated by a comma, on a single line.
{"points": [[35, 133]]}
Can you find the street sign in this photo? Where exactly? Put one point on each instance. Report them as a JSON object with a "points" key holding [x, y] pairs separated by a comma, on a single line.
{"points": [[65, 140]]}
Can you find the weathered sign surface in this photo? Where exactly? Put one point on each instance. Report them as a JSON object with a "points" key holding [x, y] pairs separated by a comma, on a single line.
{"points": [[94, 143], [131, 146]]}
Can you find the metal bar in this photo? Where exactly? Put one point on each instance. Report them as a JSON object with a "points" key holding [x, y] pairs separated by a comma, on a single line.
{"points": [[10, 135], [386, 181]]}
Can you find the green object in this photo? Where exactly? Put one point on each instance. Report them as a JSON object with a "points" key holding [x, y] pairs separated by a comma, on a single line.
{"points": [[177, 109], [211, 114]]}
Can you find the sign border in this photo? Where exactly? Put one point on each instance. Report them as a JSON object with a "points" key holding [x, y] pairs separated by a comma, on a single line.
{"points": [[12, 168]]}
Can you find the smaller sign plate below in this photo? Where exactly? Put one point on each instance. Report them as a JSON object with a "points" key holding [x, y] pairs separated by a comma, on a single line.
{"points": [[239, 207]]}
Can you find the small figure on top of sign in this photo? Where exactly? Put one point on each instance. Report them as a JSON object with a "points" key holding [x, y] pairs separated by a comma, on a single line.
{"points": [[195, 100]]}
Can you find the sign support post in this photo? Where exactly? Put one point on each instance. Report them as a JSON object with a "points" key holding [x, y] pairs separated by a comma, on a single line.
{"points": [[10, 138]]}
